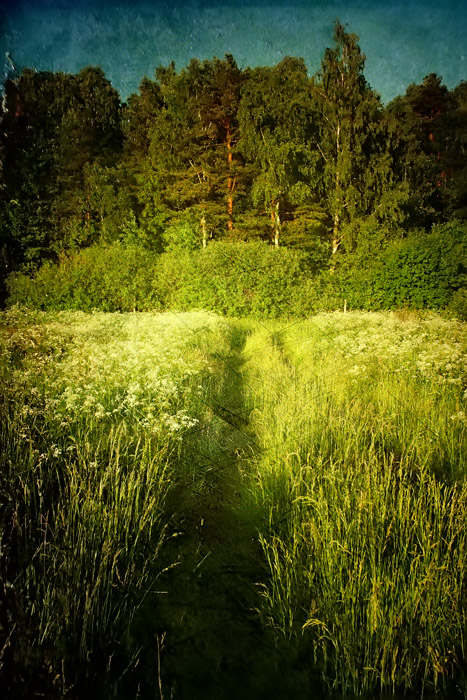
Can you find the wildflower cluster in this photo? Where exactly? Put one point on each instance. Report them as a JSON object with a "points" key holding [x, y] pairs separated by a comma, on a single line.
{"points": [[361, 343], [103, 368]]}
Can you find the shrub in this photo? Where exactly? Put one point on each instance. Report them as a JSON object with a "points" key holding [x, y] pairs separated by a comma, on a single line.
{"points": [[236, 278], [458, 304], [253, 279], [109, 278], [423, 271]]}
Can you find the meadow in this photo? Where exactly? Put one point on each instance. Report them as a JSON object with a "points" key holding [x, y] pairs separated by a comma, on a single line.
{"points": [[192, 504]]}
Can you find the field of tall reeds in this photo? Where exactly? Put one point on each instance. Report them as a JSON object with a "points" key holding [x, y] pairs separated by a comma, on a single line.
{"points": [[328, 455]]}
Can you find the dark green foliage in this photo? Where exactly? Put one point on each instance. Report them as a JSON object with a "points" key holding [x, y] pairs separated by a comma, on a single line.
{"points": [[429, 135], [139, 115], [242, 279], [58, 131], [277, 118], [107, 278], [423, 271], [458, 304], [191, 165], [238, 279], [27, 151], [353, 140], [454, 175], [216, 153], [89, 138]]}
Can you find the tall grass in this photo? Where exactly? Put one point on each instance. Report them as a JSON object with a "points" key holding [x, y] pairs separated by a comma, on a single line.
{"points": [[93, 412], [361, 421], [351, 432]]}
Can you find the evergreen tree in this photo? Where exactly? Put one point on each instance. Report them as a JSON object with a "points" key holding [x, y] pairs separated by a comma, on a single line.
{"points": [[453, 177], [139, 115], [89, 136], [55, 126], [422, 118], [213, 151], [192, 167], [28, 138]]}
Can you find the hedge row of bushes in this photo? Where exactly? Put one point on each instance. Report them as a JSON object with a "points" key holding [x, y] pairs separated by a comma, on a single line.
{"points": [[111, 278], [239, 279], [424, 271], [229, 278], [420, 272]]}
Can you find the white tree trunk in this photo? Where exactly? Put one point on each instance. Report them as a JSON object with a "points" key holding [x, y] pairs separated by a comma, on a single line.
{"points": [[277, 224], [203, 231]]}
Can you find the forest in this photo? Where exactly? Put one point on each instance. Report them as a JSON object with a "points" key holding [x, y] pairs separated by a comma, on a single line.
{"points": [[368, 201]]}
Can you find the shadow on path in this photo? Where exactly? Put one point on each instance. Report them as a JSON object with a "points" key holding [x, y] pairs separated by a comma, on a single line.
{"points": [[211, 642]]}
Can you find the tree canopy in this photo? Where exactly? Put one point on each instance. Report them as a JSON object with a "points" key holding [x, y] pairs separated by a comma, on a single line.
{"points": [[213, 151]]}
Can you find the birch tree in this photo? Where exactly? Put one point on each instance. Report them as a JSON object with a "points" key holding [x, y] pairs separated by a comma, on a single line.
{"points": [[349, 132], [276, 120]]}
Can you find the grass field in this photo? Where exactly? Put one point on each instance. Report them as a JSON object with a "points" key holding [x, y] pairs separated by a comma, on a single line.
{"points": [[192, 506]]}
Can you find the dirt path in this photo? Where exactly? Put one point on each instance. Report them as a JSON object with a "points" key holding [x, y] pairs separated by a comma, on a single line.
{"points": [[213, 643]]}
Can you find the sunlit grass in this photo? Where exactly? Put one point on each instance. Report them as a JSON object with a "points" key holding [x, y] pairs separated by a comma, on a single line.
{"points": [[350, 432], [361, 423], [94, 409]]}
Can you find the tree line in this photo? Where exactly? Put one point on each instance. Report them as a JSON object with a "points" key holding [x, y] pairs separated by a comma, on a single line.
{"points": [[214, 152]]}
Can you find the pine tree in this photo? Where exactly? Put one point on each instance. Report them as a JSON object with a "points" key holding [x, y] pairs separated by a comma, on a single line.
{"points": [[193, 169], [55, 127], [454, 175], [89, 136], [422, 119], [28, 137]]}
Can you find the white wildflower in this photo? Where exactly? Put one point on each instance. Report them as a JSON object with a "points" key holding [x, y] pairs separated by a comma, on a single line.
{"points": [[460, 416]]}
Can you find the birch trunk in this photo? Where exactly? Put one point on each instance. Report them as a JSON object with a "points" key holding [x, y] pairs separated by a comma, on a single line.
{"points": [[203, 231], [230, 182], [336, 233], [337, 196], [277, 224]]}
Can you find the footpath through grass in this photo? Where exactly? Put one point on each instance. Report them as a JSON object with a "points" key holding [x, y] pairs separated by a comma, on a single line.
{"points": [[195, 507]]}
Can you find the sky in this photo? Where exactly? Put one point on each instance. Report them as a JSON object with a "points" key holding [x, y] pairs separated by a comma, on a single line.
{"points": [[404, 40]]}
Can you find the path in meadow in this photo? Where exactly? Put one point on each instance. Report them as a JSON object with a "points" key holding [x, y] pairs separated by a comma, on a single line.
{"points": [[214, 645]]}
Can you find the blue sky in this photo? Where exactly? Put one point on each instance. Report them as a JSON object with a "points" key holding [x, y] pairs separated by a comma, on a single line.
{"points": [[403, 40]]}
